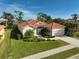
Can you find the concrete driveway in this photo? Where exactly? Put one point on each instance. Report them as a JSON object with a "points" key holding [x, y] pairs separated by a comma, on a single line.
{"points": [[72, 41]]}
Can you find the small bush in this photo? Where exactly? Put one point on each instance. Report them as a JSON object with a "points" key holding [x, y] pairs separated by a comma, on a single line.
{"points": [[42, 39], [30, 39], [35, 39], [29, 33], [76, 34]]}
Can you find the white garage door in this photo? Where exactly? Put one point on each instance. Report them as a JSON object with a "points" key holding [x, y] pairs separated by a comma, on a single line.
{"points": [[58, 32]]}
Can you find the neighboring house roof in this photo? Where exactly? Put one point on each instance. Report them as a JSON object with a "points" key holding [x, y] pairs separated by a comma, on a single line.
{"points": [[36, 23], [2, 27]]}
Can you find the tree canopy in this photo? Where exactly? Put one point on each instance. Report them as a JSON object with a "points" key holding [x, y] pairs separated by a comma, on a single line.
{"points": [[44, 17], [19, 16], [9, 17]]}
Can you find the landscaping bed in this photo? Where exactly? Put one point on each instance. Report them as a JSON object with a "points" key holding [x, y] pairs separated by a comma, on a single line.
{"points": [[64, 55]]}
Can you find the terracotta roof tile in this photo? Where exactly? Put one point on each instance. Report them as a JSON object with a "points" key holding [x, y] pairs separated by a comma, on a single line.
{"points": [[39, 23], [2, 27], [56, 25]]}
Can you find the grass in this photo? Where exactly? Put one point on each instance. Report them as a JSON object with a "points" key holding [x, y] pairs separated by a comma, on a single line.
{"points": [[2, 50], [18, 48], [21, 48], [4, 47], [64, 55]]}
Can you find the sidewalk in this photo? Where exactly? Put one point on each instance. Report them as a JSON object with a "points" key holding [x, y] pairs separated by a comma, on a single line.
{"points": [[49, 52], [74, 57]]}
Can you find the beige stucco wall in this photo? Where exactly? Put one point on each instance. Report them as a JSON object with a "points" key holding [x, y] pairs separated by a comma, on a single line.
{"points": [[55, 31], [29, 28], [58, 31], [2, 33], [35, 32]]}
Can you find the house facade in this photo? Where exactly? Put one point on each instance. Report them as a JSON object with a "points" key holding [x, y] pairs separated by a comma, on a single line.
{"points": [[2, 31], [38, 26]]}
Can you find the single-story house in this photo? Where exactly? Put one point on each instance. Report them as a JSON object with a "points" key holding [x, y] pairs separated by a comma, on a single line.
{"points": [[37, 26], [2, 31]]}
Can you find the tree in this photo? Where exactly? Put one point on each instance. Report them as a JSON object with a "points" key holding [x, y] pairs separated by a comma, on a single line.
{"points": [[44, 17], [75, 16], [45, 32], [8, 17], [59, 20], [19, 16], [69, 29], [75, 21]]}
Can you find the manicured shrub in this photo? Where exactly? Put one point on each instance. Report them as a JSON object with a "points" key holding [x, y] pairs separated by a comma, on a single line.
{"points": [[76, 34], [29, 34], [30, 39], [40, 38], [35, 39]]}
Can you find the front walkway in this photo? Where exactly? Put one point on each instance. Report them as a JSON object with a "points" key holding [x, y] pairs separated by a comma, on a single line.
{"points": [[49, 52]]}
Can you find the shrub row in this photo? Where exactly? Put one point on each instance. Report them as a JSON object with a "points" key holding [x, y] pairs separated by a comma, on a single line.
{"points": [[35, 39]]}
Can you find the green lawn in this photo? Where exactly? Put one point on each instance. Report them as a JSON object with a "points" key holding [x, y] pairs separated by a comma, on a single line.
{"points": [[64, 55], [2, 51], [4, 47], [19, 48]]}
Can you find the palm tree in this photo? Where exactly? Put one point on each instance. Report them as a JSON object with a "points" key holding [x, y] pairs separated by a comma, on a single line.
{"points": [[19, 16], [8, 17], [75, 17]]}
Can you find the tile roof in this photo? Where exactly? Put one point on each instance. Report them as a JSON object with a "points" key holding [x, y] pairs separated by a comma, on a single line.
{"points": [[2, 27], [56, 25], [36, 23]]}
